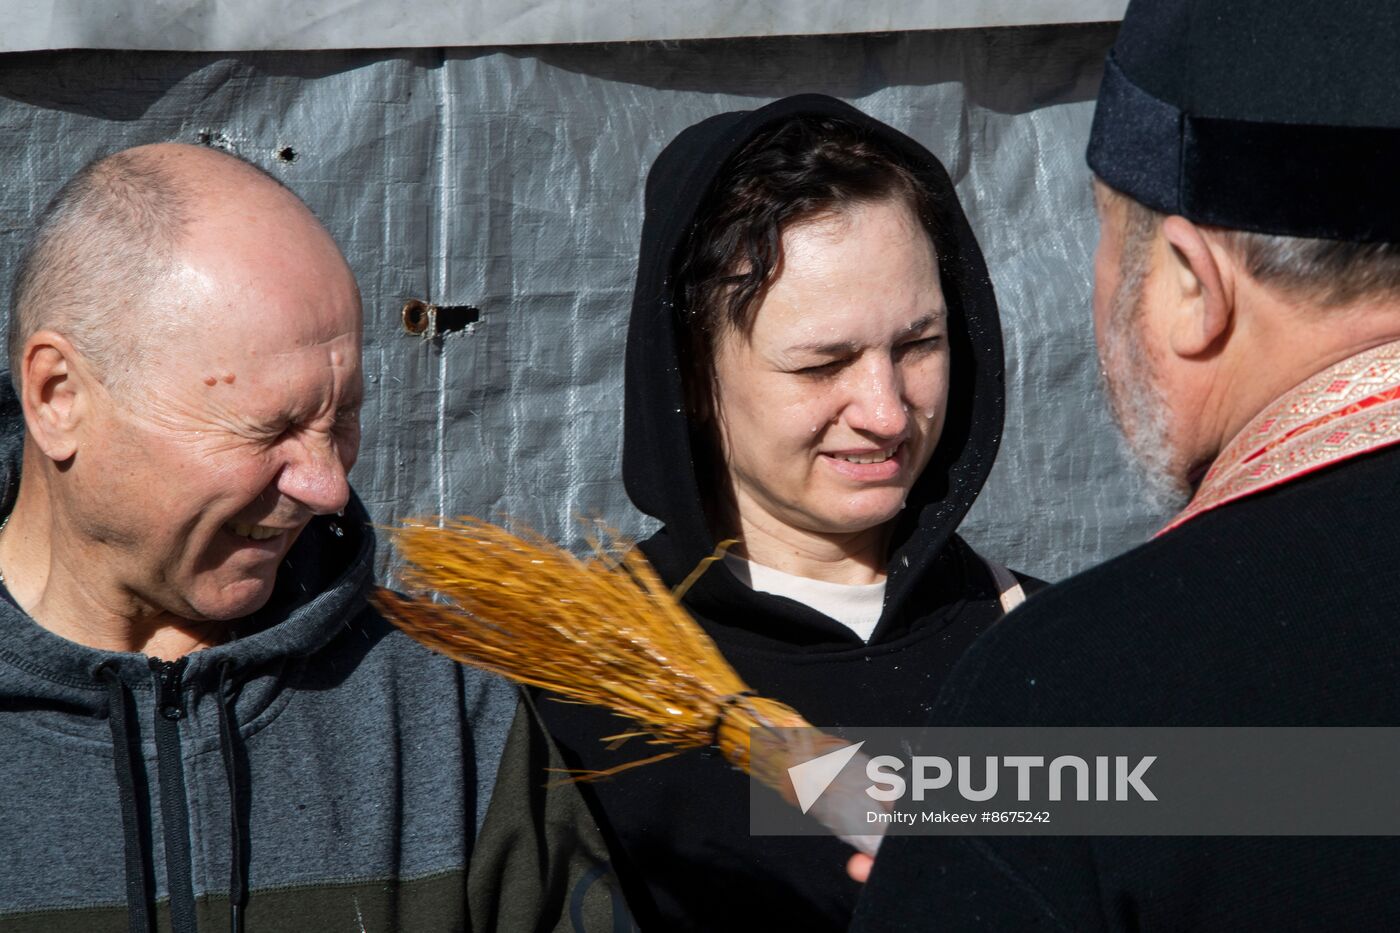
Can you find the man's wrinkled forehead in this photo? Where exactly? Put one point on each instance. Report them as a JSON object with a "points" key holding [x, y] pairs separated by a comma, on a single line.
{"points": [[228, 325]]}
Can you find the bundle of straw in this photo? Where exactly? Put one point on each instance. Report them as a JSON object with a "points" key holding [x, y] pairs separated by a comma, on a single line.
{"points": [[603, 631]]}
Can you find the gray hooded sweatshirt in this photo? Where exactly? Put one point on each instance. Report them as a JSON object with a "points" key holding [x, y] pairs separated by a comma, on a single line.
{"points": [[320, 770]]}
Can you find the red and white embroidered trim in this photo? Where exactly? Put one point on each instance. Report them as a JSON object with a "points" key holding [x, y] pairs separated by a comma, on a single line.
{"points": [[1342, 412]]}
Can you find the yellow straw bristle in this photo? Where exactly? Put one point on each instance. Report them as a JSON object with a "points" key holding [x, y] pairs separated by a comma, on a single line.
{"points": [[604, 631]]}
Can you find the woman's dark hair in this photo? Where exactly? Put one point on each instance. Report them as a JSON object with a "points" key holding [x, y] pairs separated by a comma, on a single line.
{"points": [[802, 168]]}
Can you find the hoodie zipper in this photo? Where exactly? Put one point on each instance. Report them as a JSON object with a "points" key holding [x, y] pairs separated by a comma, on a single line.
{"points": [[174, 805]]}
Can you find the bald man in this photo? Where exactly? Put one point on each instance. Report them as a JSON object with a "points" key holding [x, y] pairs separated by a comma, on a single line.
{"points": [[205, 725]]}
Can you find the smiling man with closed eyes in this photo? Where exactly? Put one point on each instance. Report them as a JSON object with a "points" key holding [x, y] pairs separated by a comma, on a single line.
{"points": [[206, 725]]}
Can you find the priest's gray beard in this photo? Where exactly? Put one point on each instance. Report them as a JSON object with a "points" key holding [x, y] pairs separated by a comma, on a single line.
{"points": [[1130, 382]]}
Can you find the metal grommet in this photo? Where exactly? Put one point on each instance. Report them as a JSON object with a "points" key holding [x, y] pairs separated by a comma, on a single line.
{"points": [[417, 316]]}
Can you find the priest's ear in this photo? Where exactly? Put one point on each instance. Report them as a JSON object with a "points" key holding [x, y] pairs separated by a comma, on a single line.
{"points": [[54, 382], [1200, 283]]}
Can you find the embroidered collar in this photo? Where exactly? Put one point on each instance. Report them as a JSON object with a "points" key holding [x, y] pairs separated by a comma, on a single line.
{"points": [[1344, 411]]}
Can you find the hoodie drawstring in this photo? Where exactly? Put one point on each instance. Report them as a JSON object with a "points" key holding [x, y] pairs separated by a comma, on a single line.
{"points": [[139, 889], [237, 883], [138, 880]]}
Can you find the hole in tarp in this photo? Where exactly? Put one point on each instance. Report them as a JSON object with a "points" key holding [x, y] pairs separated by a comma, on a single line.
{"points": [[456, 317], [429, 320], [215, 140], [286, 154]]}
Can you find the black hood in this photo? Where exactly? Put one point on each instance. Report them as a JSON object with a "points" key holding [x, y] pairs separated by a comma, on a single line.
{"points": [[659, 465]]}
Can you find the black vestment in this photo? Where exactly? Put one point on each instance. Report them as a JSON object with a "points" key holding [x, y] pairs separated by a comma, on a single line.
{"points": [[1282, 608]]}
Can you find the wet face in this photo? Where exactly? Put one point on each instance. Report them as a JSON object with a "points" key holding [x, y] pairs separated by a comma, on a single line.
{"points": [[830, 409], [244, 428], [1136, 397]]}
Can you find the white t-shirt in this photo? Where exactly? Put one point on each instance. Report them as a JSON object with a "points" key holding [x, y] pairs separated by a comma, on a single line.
{"points": [[855, 605]]}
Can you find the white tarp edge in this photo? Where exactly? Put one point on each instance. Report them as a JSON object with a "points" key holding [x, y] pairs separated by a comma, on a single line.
{"points": [[226, 25]]}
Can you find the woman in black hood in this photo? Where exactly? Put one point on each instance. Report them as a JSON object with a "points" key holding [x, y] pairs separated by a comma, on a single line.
{"points": [[814, 368]]}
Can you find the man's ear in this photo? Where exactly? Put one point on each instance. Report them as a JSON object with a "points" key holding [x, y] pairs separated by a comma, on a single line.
{"points": [[53, 392], [1202, 276]]}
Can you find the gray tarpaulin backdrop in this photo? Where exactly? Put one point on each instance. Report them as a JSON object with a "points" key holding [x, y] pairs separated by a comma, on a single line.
{"points": [[218, 25], [510, 178]]}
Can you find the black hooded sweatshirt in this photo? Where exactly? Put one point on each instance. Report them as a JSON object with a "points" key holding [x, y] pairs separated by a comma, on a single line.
{"points": [[679, 828]]}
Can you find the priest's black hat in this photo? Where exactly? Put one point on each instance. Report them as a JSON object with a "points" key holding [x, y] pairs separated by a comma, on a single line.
{"points": [[1275, 116]]}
